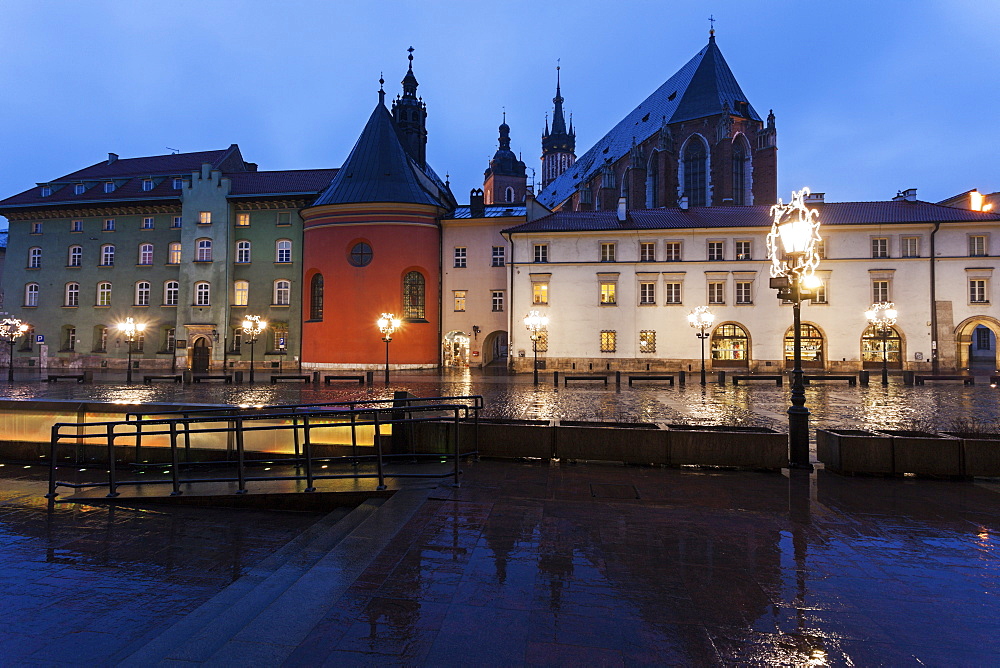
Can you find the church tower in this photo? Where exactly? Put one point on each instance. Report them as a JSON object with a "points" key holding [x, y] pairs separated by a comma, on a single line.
{"points": [[410, 114], [559, 145], [506, 179]]}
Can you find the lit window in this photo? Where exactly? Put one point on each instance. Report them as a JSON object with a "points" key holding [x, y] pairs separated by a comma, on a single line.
{"points": [[171, 293], [672, 251], [647, 251], [72, 294], [242, 252], [911, 246], [542, 342], [146, 254], [647, 293], [283, 251], [673, 293], [460, 257], [716, 250], [607, 252], [608, 340], [147, 185], [174, 253], [142, 293], [75, 258], [243, 220], [104, 294], [539, 293], [241, 293], [79, 189], [743, 251], [977, 246], [147, 223], [204, 217], [109, 186], [744, 292], [880, 291], [880, 247], [647, 341], [608, 292], [202, 294], [499, 256], [282, 293], [34, 258], [31, 294], [459, 300], [107, 255], [977, 291], [413, 296], [541, 252], [716, 293], [203, 250], [76, 226], [496, 297], [109, 225], [46, 191]]}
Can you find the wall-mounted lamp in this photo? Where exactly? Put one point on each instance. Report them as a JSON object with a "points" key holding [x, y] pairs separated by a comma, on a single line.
{"points": [[475, 331]]}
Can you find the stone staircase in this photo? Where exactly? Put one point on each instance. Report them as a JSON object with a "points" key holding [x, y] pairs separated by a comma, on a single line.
{"points": [[262, 617]]}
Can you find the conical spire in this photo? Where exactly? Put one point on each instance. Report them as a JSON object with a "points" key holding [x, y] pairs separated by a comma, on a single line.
{"points": [[558, 119], [410, 80]]}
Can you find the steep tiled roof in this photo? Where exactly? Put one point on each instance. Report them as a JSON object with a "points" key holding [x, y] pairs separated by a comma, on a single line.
{"points": [[701, 88], [153, 165], [833, 213], [291, 182], [378, 169], [492, 211]]}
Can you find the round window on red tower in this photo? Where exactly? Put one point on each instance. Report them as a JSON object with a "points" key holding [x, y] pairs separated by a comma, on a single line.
{"points": [[360, 254]]}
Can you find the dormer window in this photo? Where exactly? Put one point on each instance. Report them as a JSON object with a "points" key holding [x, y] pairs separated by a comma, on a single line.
{"points": [[178, 184], [147, 185], [109, 186], [79, 189], [46, 191]]}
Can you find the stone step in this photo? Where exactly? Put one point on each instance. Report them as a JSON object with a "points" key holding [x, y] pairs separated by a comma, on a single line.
{"points": [[206, 628]]}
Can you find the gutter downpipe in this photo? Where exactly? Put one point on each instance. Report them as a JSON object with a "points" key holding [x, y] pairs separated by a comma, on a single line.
{"points": [[934, 323]]}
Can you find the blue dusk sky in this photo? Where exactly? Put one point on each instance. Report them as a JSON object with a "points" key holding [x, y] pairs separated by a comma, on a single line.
{"points": [[870, 97]]}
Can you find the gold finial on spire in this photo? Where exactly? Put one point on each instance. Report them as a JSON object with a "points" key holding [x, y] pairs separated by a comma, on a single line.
{"points": [[711, 21]]}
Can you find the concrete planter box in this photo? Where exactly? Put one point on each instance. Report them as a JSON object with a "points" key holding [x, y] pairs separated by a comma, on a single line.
{"points": [[980, 452], [628, 442], [741, 447], [854, 451], [924, 453]]}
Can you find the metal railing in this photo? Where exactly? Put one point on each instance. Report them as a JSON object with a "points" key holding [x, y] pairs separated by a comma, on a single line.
{"points": [[302, 420]]}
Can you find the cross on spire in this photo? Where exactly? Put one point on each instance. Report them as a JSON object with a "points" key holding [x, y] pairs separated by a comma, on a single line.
{"points": [[711, 21]]}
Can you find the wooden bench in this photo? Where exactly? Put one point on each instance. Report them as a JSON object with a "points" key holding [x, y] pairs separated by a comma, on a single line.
{"points": [[360, 379], [758, 376], [851, 380], [967, 380], [78, 377], [306, 378], [668, 379], [566, 379], [227, 379], [174, 378]]}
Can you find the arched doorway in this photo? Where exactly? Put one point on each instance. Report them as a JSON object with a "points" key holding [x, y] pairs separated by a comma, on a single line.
{"points": [[812, 347], [456, 349], [495, 348], [730, 347], [875, 348], [201, 355], [976, 343]]}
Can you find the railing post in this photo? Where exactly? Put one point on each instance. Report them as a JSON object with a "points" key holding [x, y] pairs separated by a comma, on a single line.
{"points": [[457, 450], [295, 435], [378, 451], [52, 462], [307, 444], [240, 471], [175, 464], [112, 480], [138, 438], [354, 438], [187, 438]]}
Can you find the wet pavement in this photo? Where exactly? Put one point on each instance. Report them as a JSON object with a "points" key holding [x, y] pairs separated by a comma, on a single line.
{"points": [[544, 564]]}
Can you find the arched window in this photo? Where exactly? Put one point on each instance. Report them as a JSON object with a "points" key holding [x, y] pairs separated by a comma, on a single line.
{"points": [[242, 252], [75, 258], [653, 181], [812, 347], [104, 294], [145, 253], [413, 296], [316, 297], [203, 251], [171, 290], [34, 258], [739, 173], [241, 293], [283, 250], [31, 294], [282, 292], [695, 181], [174, 253], [72, 294], [107, 255], [142, 293], [508, 194], [874, 345], [730, 346], [202, 293]]}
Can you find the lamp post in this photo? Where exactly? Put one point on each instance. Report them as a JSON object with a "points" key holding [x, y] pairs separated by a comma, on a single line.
{"points": [[701, 320], [130, 328], [253, 326], [536, 324], [882, 316], [791, 247], [387, 324], [10, 329]]}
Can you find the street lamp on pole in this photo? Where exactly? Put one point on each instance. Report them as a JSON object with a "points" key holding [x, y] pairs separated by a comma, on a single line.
{"points": [[701, 320], [10, 329], [791, 247], [536, 324], [881, 317], [131, 329], [387, 324], [253, 327]]}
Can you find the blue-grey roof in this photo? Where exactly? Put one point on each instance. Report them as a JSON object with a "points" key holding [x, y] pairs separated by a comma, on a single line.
{"points": [[492, 211], [833, 213], [379, 170], [703, 87]]}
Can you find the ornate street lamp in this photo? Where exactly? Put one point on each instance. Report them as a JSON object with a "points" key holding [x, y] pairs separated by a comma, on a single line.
{"points": [[253, 327], [701, 320], [387, 324], [791, 247], [536, 324], [882, 316], [10, 329], [131, 329]]}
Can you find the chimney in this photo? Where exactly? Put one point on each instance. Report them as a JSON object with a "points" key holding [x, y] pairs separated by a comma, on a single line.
{"points": [[622, 213], [112, 157], [683, 203], [908, 195], [815, 198], [476, 207]]}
